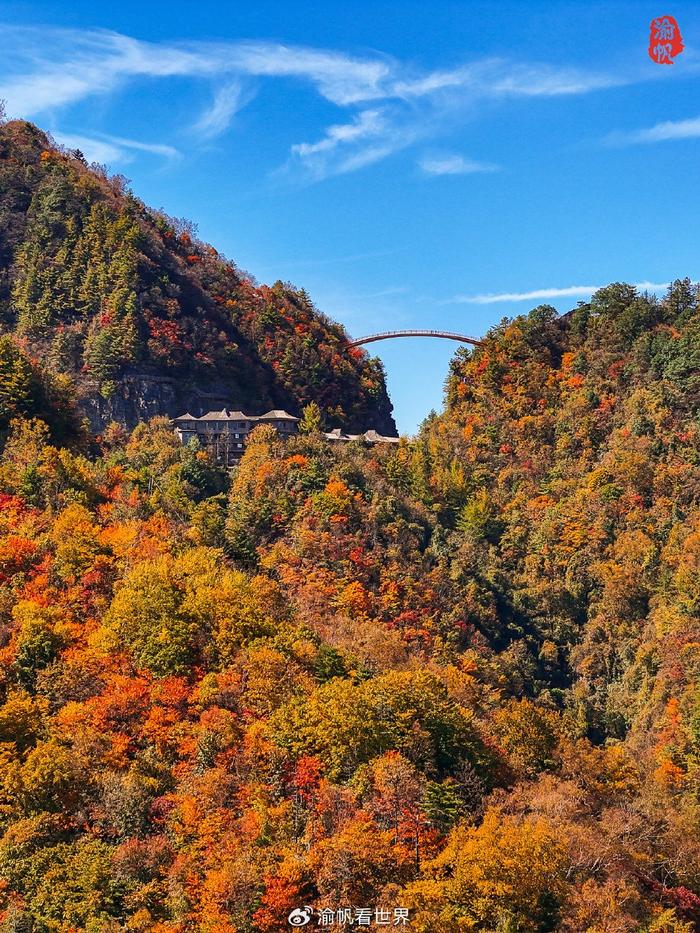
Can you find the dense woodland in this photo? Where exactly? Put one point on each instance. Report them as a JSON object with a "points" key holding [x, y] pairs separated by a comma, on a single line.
{"points": [[105, 290], [460, 674]]}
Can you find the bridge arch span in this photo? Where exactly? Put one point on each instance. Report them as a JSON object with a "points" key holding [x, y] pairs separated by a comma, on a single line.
{"points": [[391, 334]]}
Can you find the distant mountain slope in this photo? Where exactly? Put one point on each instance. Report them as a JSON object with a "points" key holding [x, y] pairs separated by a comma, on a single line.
{"points": [[148, 320], [568, 455]]}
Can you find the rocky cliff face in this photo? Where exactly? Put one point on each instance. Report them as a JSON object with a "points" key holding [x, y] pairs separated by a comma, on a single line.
{"points": [[148, 320], [136, 398], [140, 396]]}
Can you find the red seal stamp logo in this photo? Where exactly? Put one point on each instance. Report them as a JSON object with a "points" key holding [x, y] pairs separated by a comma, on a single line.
{"points": [[665, 40]]}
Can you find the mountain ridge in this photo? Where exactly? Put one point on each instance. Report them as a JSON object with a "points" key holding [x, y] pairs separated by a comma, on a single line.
{"points": [[148, 320]]}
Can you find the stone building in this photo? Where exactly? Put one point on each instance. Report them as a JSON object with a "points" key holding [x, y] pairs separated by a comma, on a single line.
{"points": [[369, 437], [224, 432]]}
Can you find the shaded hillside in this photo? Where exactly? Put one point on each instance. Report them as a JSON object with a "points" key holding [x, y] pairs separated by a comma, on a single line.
{"points": [[148, 320]]}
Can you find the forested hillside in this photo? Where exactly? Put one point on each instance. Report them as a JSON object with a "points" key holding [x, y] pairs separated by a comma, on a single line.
{"points": [[143, 318], [458, 676]]}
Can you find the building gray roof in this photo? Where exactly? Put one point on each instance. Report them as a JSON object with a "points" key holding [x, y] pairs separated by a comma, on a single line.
{"points": [[371, 436], [376, 438], [223, 415], [226, 415], [278, 413]]}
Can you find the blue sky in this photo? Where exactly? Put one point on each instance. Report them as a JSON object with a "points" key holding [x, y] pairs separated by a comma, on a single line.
{"points": [[409, 164]]}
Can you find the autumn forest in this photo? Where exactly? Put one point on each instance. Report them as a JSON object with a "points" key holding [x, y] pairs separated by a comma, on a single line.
{"points": [[459, 675]]}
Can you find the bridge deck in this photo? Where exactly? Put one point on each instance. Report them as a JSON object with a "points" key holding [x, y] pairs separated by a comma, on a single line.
{"points": [[390, 334]]}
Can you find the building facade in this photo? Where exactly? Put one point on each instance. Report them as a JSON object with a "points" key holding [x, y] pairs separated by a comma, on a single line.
{"points": [[223, 433]]}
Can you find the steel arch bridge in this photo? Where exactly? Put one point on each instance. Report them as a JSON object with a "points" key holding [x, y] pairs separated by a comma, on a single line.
{"points": [[391, 334]]}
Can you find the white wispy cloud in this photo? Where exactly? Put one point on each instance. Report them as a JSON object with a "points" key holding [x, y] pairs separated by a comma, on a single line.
{"points": [[387, 292], [368, 156], [521, 80], [370, 137], [55, 67], [660, 132], [454, 165], [340, 78], [94, 150], [162, 149], [498, 77], [368, 123], [570, 291], [112, 149], [46, 70], [228, 100]]}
